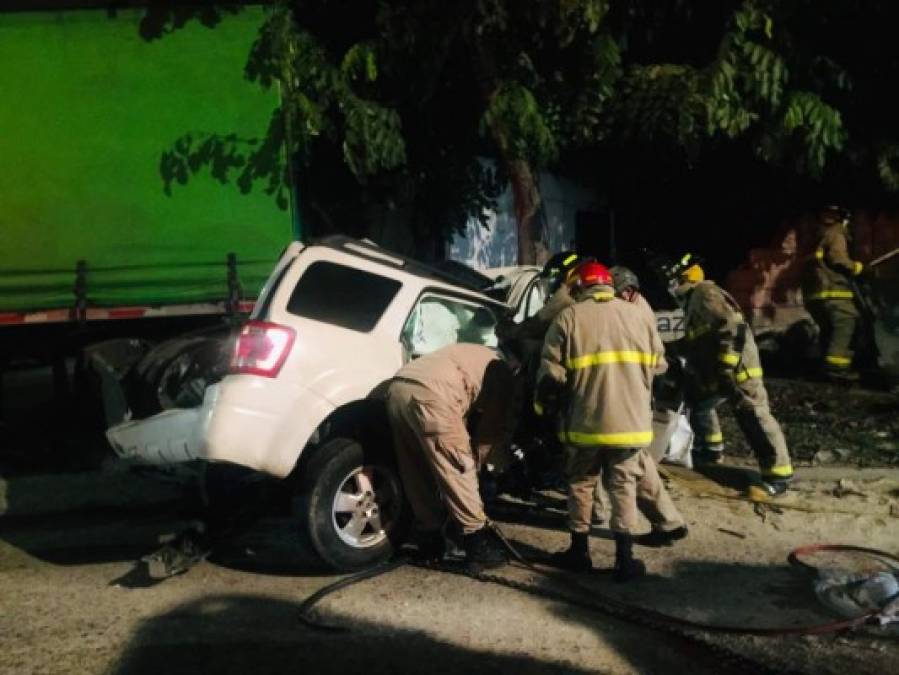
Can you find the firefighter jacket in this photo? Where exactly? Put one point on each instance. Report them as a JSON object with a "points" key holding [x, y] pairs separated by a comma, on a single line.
{"points": [[644, 305], [718, 342], [536, 326], [468, 381], [828, 274], [602, 354]]}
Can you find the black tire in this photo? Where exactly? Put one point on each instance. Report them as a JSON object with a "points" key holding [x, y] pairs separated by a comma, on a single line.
{"points": [[183, 381], [337, 467], [175, 374]]}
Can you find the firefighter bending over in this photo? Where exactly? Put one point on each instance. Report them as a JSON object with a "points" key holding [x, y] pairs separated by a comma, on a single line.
{"points": [[429, 402]]}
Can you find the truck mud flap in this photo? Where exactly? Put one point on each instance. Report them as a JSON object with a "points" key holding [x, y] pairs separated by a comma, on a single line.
{"points": [[110, 361]]}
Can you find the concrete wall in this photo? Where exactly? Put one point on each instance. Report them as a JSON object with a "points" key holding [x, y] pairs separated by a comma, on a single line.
{"points": [[497, 244], [767, 284]]}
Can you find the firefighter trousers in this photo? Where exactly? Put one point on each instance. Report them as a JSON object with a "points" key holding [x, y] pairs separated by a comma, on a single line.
{"points": [[435, 458], [753, 413], [633, 484], [706, 426], [837, 321]]}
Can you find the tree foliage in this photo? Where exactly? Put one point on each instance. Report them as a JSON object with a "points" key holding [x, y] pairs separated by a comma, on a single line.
{"points": [[393, 102], [748, 89]]}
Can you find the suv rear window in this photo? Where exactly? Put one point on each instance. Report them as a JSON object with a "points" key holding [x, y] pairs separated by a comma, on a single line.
{"points": [[342, 296]]}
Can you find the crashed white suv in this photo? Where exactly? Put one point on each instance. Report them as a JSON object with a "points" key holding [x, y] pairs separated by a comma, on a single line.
{"points": [[333, 323]]}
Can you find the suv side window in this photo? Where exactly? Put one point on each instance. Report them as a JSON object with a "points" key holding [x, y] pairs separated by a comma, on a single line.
{"points": [[342, 296], [438, 321]]}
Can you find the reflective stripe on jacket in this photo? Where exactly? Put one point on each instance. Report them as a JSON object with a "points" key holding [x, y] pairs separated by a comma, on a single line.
{"points": [[717, 336]]}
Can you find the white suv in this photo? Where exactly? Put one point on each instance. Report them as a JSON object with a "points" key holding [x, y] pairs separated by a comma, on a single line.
{"points": [[333, 324]]}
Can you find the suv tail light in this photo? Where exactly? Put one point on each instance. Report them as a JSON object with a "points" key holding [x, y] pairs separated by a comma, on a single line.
{"points": [[262, 348]]}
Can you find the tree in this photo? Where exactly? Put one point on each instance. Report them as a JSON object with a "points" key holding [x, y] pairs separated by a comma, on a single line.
{"points": [[397, 105], [408, 103]]}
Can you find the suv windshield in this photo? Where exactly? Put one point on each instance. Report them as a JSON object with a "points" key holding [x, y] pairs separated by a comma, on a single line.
{"points": [[342, 296]]}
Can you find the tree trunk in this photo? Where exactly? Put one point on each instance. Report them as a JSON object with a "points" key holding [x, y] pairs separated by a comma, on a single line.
{"points": [[525, 192], [526, 200]]}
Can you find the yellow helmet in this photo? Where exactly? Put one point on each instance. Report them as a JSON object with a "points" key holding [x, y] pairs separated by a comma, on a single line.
{"points": [[685, 270], [693, 274]]}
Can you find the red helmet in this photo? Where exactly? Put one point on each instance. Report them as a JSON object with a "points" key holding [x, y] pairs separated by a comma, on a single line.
{"points": [[592, 274]]}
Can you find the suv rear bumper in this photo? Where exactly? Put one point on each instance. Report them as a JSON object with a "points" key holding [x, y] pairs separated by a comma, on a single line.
{"points": [[256, 422]]}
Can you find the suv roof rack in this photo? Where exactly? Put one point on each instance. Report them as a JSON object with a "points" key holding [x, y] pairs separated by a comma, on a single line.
{"points": [[452, 272]]}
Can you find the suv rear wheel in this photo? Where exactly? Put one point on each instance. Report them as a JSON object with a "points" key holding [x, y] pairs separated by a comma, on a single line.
{"points": [[351, 505]]}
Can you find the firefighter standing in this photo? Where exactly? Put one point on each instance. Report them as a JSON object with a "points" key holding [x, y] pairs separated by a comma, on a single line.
{"points": [[627, 287], [829, 295], [723, 365], [597, 365], [428, 403], [529, 336]]}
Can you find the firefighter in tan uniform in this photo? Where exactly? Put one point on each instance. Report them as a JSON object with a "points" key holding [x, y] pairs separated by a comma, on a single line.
{"points": [[529, 336], [428, 403], [664, 415], [598, 361], [627, 287], [723, 365], [829, 296]]}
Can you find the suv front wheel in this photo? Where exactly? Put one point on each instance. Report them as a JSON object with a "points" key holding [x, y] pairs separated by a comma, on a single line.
{"points": [[351, 505]]}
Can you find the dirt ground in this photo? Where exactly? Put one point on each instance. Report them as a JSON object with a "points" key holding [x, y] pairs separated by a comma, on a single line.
{"points": [[72, 599], [71, 602], [828, 424]]}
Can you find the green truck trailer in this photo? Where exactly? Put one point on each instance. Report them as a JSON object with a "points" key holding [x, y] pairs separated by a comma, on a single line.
{"points": [[92, 245]]}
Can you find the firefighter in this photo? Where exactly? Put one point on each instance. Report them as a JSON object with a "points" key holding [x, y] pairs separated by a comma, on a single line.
{"points": [[829, 295], [428, 403], [529, 334], [723, 365], [555, 273], [627, 287], [596, 371]]}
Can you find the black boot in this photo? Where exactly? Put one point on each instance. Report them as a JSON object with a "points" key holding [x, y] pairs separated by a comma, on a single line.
{"points": [[659, 538], [577, 557], [627, 568], [775, 487], [842, 376], [704, 456], [484, 550], [429, 546]]}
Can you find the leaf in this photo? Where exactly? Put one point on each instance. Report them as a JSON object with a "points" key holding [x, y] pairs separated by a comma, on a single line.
{"points": [[371, 67]]}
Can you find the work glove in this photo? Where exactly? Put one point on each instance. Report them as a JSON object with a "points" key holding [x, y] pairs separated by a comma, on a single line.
{"points": [[548, 397]]}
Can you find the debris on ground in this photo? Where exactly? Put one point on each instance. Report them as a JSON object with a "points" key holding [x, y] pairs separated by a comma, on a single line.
{"points": [[178, 555], [851, 595], [732, 533], [827, 424], [847, 487]]}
